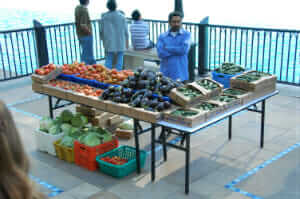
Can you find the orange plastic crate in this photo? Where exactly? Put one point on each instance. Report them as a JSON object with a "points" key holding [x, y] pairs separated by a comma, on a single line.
{"points": [[85, 156]]}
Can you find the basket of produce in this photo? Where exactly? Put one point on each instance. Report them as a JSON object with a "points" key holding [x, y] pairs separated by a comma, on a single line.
{"points": [[187, 95], [64, 152], [244, 95], [120, 162], [211, 109], [94, 142], [209, 87], [185, 116], [254, 81], [47, 134], [225, 72], [227, 101], [46, 73]]}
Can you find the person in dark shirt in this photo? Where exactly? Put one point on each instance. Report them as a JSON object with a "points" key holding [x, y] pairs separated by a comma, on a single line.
{"points": [[84, 32]]}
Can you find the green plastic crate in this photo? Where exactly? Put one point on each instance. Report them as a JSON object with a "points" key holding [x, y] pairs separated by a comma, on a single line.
{"points": [[120, 171]]}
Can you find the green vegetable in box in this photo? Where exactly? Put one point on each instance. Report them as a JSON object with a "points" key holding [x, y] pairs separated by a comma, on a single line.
{"points": [[252, 76], [66, 116], [189, 92], [184, 113], [207, 84], [229, 68], [205, 106], [232, 91], [45, 124], [67, 141], [225, 98]]}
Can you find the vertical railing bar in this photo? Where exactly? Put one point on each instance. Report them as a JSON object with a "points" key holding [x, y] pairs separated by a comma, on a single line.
{"points": [[70, 40], [220, 44], [241, 47], [252, 43], [75, 44], [288, 59], [23, 43], [235, 45], [66, 45], [51, 45], [230, 39], [246, 57], [7, 54], [225, 44], [215, 47], [257, 54], [282, 54], [156, 28], [276, 51], [13, 54], [152, 32], [56, 47], [295, 58], [97, 40], [19, 54], [270, 47], [35, 48], [30, 51], [2, 58], [61, 45], [263, 55], [210, 46]]}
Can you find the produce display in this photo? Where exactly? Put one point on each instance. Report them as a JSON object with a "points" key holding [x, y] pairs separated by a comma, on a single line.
{"points": [[229, 68], [189, 92], [147, 79], [225, 98], [232, 91], [141, 99], [207, 84], [84, 89], [205, 106], [75, 127], [184, 113], [45, 70], [252, 76], [96, 72], [114, 160]]}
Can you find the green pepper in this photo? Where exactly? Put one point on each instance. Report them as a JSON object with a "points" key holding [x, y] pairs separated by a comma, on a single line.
{"points": [[189, 92], [207, 84], [232, 91], [206, 106], [184, 113]]}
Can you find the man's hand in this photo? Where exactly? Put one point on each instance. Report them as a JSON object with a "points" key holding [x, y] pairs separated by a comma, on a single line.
{"points": [[127, 44], [86, 29]]}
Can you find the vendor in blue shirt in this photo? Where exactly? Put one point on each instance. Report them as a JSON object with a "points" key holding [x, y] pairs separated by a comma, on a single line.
{"points": [[173, 47]]}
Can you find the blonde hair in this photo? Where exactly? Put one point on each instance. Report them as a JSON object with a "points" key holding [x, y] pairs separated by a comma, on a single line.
{"points": [[14, 163]]}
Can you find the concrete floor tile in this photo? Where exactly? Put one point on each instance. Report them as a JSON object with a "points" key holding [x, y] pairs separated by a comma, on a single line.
{"points": [[235, 195], [104, 195], [181, 195], [64, 196], [210, 190], [83, 191]]}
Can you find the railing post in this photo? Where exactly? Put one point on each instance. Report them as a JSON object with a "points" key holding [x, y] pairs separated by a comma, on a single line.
{"points": [[203, 46], [41, 43]]}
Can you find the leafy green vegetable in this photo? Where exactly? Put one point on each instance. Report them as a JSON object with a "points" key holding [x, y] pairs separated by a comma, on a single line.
{"points": [[55, 129], [67, 141], [66, 116], [45, 124], [184, 113], [126, 126], [229, 68], [206, 106], [66, 128], [207, 84], [189, 92]]}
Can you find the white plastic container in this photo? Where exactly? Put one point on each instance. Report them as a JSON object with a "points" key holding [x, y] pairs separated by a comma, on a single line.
{"points": [[44, 141]]}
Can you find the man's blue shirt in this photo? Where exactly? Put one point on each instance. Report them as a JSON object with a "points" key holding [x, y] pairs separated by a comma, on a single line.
{"points": [[173, 52]]}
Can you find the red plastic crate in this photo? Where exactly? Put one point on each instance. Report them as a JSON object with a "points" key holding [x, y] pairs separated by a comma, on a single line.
{"points": [[85, 156]]}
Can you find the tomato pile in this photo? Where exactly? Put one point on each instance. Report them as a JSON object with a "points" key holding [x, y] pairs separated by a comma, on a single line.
{"points": [[96, 72], [84, 89], [45, 70], [114, 160]]}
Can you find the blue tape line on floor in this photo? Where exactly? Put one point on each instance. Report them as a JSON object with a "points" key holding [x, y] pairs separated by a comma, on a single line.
{"points": [[54, 190], [26, 113], [231, 185]]}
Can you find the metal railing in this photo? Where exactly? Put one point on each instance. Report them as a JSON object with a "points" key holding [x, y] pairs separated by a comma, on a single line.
{"points": [[270, 50]]}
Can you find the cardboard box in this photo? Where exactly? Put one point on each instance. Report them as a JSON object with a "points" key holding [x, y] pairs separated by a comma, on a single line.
{"points": [[88, 111], [246, 97], [184, 101], [227, 105], [55, 91], [210, 93], [211, 113], [255, 86], [43, 79], [191, 121], [124, 134], [115, 120], [38, 88]]}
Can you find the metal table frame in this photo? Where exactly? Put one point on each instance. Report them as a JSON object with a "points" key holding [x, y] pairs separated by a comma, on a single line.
{"points": [[184, 132]]}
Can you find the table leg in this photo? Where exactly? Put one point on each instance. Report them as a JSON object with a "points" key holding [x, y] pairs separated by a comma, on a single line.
{"points": [[152, 152], [262, 124], [50, 106], [137, 146], [187, 165], [230, 127], [164, 143]]}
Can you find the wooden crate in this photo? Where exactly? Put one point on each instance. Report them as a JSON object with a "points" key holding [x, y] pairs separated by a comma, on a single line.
{"points": [[212, 113], [38, 88], [209, 93], [227, 105], [55, 91], [115, 120], [88, 110], [184, 101], [144, 115], [117, 108], [43, 79], [124, 134], [255, 86], [186, 121], [245, 98]]}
